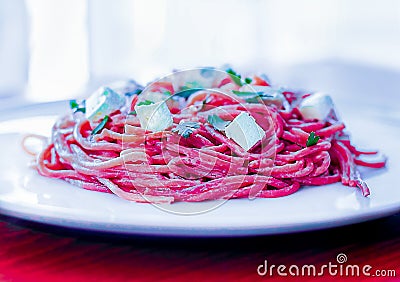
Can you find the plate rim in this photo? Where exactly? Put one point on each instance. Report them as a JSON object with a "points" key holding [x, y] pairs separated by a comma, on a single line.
{"points": [[193, 231], [179, 231]]}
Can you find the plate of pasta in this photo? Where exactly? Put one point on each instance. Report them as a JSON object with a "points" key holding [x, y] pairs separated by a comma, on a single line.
{"points": [[200, 152]]}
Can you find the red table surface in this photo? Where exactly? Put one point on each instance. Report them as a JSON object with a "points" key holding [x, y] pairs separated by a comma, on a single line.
{"points": [[36, 252]]}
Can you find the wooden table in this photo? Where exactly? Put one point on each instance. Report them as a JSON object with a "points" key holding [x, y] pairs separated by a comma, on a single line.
{"points": [[36, 252]]}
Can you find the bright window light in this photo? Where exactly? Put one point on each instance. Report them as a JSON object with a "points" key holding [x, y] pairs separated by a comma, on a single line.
{"points": [[59, 49]]}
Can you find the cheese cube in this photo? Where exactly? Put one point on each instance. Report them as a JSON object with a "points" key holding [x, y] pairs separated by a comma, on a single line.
{"points": [[103, 102], [154, 117], [244, 131], [317, 106]]}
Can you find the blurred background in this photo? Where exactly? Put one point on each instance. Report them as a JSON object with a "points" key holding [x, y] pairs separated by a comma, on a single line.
{"points": [[60, 49]]}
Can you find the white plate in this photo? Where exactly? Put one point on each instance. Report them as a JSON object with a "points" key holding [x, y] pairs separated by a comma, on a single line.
{"points": [[25, 194]]}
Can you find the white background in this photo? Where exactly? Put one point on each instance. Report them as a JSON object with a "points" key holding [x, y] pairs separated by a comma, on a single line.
{"points": [[60, 49]]}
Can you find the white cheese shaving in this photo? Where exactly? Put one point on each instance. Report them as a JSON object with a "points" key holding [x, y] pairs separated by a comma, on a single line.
{"points": [[103, 102], [245, 131], [154, 117], [317, 106]]}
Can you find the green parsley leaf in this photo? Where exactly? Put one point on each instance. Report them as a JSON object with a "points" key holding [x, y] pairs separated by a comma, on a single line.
{"points": [[254, 100], [205, 101], [83, 110], [145, 103], [217, 122], [246, 93], [231, 71], [73, 104], [248, 80], [258, 98], [253, 97], [237, 78], [312, 139], [185, 91], [101, 125], [76, 107], [132, 113], [185, 129], [137, 91]]}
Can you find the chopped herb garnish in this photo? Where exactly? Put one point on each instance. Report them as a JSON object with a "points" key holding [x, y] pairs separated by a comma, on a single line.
{"points": [[101, 125], [76, 107], [231, 71], [217, 122], [167, 92], [248, 80], [253, 97], [205, 101], [258, 98], [246, 93], [73, 104], [132, 113], [145, 103], [237, 78], [254, 100], [312, 139], [186, 128]]}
